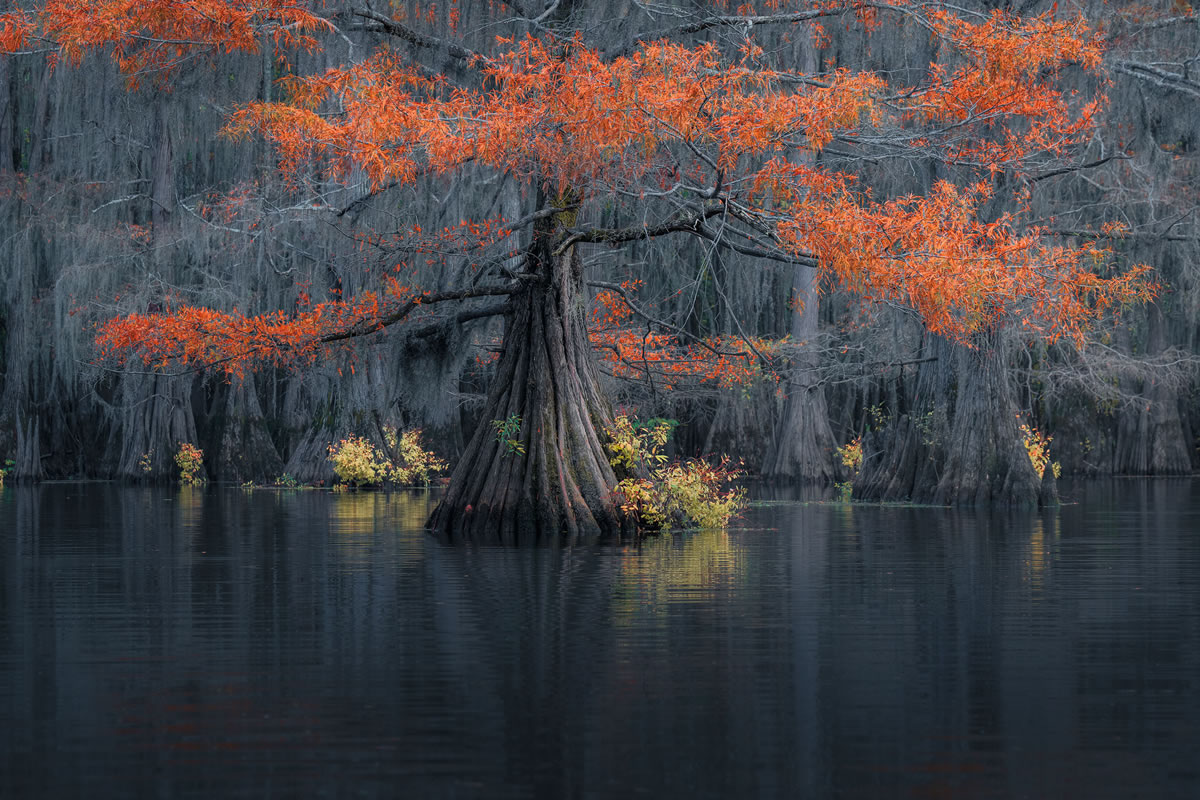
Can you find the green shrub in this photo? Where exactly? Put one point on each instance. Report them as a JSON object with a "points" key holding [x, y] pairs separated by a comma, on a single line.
{"points": [[508, 434]]}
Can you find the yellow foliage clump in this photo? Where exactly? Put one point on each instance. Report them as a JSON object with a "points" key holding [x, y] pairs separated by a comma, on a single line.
{"points": [[1037, 445], [357, 462], [685, 493], [190, 460]]}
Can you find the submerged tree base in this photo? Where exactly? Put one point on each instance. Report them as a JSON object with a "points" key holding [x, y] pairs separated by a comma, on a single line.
{"points": [[969, 454], [541, 473]]}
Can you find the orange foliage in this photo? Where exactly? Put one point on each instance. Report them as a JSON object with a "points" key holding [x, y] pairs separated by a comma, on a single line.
{"points": [[665, 115], [153, 36], [663, 358], [190, 335]]}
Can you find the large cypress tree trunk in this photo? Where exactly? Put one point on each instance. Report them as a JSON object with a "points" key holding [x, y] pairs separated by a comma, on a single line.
{"points": [[1150, 434], [803, 448], [562, 484], [245, 450], [960, 442], [986, 460]]}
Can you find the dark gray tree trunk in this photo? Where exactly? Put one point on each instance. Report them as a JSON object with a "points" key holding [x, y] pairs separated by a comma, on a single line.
{"points": [[246, 451], [27, 464], [907, 452], [803, 447], [157, 418], [562, 484], [1151, 439], [986, 460], [960, 442]]}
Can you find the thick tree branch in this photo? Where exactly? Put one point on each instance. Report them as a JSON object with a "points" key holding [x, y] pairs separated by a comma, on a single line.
{"points": [[689, 224], [466, 315], [416, 38], [370, 326], [1160, 77], [1076, 168]]}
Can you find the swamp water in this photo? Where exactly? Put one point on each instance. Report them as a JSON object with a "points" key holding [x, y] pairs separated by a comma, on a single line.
{"points": [[221, 643]]}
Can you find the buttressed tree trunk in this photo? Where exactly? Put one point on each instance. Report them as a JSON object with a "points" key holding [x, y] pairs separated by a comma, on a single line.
{"points": [[986, 460], [557, 481], [803, 447], [1150, 435]]}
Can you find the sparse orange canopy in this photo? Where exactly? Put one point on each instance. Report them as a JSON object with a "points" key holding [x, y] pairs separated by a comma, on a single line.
{"points": [[155, 36], [689, 134]]}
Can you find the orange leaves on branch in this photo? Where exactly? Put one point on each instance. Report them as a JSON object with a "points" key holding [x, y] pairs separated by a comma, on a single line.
{"points": [[714, 132], [554, 110], [153, 36], [191, 336], [935, 255], [641, 354], [16, 30]]}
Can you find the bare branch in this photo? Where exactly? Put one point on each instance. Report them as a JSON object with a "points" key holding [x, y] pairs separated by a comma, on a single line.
{"points": [[416, 38], [368, 327]]}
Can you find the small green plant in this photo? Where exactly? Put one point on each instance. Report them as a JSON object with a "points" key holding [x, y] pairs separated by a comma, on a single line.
{"points": [[357, 462], [145, 464], [508, 434], [927, 424], [190, 460], [8, 465], [287, 481], [685, 494], [851, 454]]}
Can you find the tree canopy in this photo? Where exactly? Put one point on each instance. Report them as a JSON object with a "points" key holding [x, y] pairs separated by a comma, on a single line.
{"points": [[704, 140], [711, 140]]}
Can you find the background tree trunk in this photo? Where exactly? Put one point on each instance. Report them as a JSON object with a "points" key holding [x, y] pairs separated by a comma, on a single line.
{"points": [[157, 417], [986, 460], [1150, 433], [803, 447], [245, 450]]}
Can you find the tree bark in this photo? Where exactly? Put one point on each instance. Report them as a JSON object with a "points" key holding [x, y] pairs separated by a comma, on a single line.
{"points": [[803, 447], [1151, 439], [961, 442], [562, 483], [986, 460], [245, 450], [156, 418]]}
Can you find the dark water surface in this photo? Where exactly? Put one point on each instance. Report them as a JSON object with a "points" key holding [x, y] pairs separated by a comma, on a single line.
{"points": [[221, 643]]}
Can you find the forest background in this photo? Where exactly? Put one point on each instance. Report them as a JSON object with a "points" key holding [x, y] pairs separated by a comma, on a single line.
{"points": [[117, 199]]}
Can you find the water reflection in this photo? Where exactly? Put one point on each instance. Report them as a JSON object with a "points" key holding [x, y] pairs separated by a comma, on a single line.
{"points": [[300, 643]]}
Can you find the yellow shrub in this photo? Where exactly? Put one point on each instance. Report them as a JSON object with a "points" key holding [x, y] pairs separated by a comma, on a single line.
{"points": [[190, 460], [1037, 445], [686, 494], [357, 462], [851, 454], [417, 465]]}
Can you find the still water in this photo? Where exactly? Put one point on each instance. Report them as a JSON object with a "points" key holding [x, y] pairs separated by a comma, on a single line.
{"points": [[224, 643]]}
